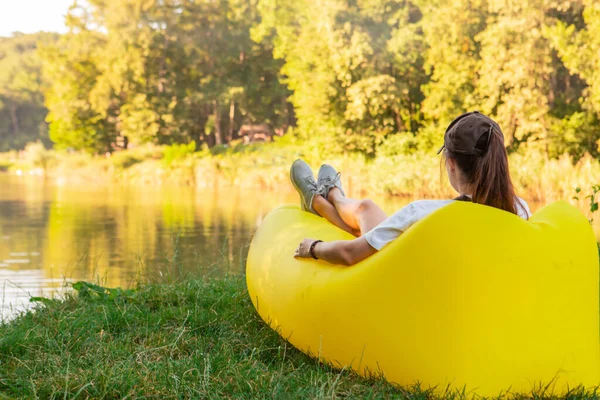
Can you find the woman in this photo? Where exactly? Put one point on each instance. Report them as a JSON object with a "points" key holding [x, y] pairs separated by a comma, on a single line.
{"points": [[477, 166]]}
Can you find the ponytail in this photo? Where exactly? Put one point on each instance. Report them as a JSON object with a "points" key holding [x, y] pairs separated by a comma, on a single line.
{"points": [[488, 174]]}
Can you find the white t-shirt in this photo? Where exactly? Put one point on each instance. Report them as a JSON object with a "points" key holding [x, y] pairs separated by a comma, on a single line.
{"points": [[403, 219]]}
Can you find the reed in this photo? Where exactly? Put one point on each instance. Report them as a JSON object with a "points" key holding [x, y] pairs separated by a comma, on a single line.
{"points": [[266, 166]]}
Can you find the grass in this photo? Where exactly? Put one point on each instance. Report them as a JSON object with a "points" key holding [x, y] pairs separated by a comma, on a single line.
{"points": [[179, 340], [184, 339]]}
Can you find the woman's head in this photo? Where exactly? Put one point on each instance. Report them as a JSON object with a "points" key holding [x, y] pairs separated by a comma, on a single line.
{"points": [[477, 162]]}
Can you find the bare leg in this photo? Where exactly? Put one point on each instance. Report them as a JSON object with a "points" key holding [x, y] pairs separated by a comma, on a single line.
{"points": [[328, 211], [362, 215]]}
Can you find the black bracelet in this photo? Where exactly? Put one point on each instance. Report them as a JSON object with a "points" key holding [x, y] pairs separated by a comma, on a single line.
{"points": [[312, 248]]}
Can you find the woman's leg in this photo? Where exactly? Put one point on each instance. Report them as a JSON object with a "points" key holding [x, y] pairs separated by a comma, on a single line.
{"points": [[361, 215], [326, 210]]}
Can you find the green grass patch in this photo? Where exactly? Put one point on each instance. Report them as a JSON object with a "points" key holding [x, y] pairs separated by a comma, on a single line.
{"points": [[188, 339], [180, 340]]}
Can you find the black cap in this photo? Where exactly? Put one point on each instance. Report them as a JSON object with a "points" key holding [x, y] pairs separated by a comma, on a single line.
{"points": [[464, 134]]}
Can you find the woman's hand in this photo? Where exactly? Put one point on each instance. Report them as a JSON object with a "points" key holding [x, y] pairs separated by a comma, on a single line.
{"points": [[343, 252], [303, 249]]}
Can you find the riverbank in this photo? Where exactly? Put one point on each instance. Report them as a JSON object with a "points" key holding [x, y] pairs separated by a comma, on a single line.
{"points": [[191, 339], [187, 339], [266, 166]]}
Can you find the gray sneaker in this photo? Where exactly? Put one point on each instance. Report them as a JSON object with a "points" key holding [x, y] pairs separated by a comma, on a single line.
{"points": [[304, 182], [328, 179]]}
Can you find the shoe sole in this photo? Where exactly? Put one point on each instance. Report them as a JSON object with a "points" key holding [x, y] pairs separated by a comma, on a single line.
{"points": [[304, 208]]}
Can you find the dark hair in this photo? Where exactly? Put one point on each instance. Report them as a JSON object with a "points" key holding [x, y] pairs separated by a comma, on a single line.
{"points": [[488, 174]]}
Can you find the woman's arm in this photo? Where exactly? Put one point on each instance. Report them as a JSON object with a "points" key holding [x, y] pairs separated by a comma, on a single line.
{"points": [[344, 252]]}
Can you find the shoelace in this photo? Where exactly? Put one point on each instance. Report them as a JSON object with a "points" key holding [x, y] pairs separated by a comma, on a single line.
{"points": [[312, 184], [329, 182]]}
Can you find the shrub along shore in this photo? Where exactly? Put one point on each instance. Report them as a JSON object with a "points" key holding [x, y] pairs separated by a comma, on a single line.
{"points": [[396, 171], [184, 339]]}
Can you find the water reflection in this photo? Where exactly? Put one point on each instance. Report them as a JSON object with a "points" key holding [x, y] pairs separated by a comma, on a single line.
{"points": [[115, 234], [52, 234]]}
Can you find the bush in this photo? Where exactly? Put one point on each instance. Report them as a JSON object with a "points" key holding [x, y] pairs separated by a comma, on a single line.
{"points": [[425, 141], [176, 153], [400, 143], [124, 160]]}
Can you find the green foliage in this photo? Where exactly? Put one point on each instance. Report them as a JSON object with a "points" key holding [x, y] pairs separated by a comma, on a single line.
{"points": [[91, 292], [176, 153], [72, 68], [156, 72], [593, 205], [592, 197], [124, 160], [426, 141], [593, 202], [579, 50], [398, 144], [575, 134], [347, 76], [355, 69], [452, 59], [363, 71], [22, 110]]}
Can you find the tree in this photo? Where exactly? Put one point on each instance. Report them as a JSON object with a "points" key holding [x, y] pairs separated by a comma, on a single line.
{"points": [[520, 74], [355, 68], [22, 111], [579, 49], [453, 59], [162, 71], [356, 72]]}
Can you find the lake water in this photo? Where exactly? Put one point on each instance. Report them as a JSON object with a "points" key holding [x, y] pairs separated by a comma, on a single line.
{"points": [[115, 235]]}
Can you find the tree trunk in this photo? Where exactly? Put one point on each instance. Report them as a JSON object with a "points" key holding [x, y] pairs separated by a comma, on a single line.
{"points": [[231, 121], [546, 146], [161, 69], [399, 123], [15, 118], [218, 137]]}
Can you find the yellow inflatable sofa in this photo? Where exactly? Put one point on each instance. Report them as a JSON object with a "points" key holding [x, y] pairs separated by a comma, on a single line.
{"points": [[470, 298]]}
